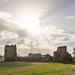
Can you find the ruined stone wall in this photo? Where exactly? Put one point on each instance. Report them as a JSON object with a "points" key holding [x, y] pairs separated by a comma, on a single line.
{"points": [[10, 53], [61, 55], [36, 55], [47, 58]]}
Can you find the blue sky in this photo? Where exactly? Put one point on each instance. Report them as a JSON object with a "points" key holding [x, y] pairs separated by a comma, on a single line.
{"points": [[56, 20]]}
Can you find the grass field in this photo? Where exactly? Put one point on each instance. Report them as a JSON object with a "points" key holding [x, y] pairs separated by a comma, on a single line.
{"points": [[36, 68]]}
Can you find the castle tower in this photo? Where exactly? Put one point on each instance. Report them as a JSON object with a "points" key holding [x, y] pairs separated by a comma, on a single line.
{"points": [[10, 53], [61, 55]]}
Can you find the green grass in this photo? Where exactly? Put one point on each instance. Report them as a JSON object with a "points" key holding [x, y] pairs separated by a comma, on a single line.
{"points": [[36, 68], [1, 59]]}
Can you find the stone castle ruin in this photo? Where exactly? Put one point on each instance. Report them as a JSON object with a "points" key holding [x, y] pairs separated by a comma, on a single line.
{"points": [[61, 55], [36, 55], [47, 58], [10, 53]]}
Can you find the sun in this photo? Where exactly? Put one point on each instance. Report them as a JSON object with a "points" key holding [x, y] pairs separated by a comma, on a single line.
{"points": [[31, 23]]}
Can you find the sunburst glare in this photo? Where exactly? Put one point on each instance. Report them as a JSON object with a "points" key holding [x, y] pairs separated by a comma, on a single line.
{"points": [[31, 23]]}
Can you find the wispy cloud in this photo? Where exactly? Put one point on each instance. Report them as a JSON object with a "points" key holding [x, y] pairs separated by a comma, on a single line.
{"points": [[70, 17], [9, 35], [5, 15], [54, 35]]}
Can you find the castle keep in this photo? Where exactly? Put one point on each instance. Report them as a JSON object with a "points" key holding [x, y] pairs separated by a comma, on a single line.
{"points": [[10, 53]]}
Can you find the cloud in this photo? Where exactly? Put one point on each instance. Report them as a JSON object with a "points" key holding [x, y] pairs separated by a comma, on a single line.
{"points": [[53, 35], [11, 33], [70, 17], [7, 22], [5, 15], [4, 0]]}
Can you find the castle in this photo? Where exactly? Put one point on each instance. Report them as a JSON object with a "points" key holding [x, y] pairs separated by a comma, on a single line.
{"points": [[61, 55]]}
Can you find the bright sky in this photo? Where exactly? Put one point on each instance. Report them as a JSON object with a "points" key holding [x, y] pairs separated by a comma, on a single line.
{"points": [[43, 23]]}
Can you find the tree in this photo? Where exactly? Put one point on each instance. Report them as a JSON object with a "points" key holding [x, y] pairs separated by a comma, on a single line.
{"points": [[74, 54]]}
